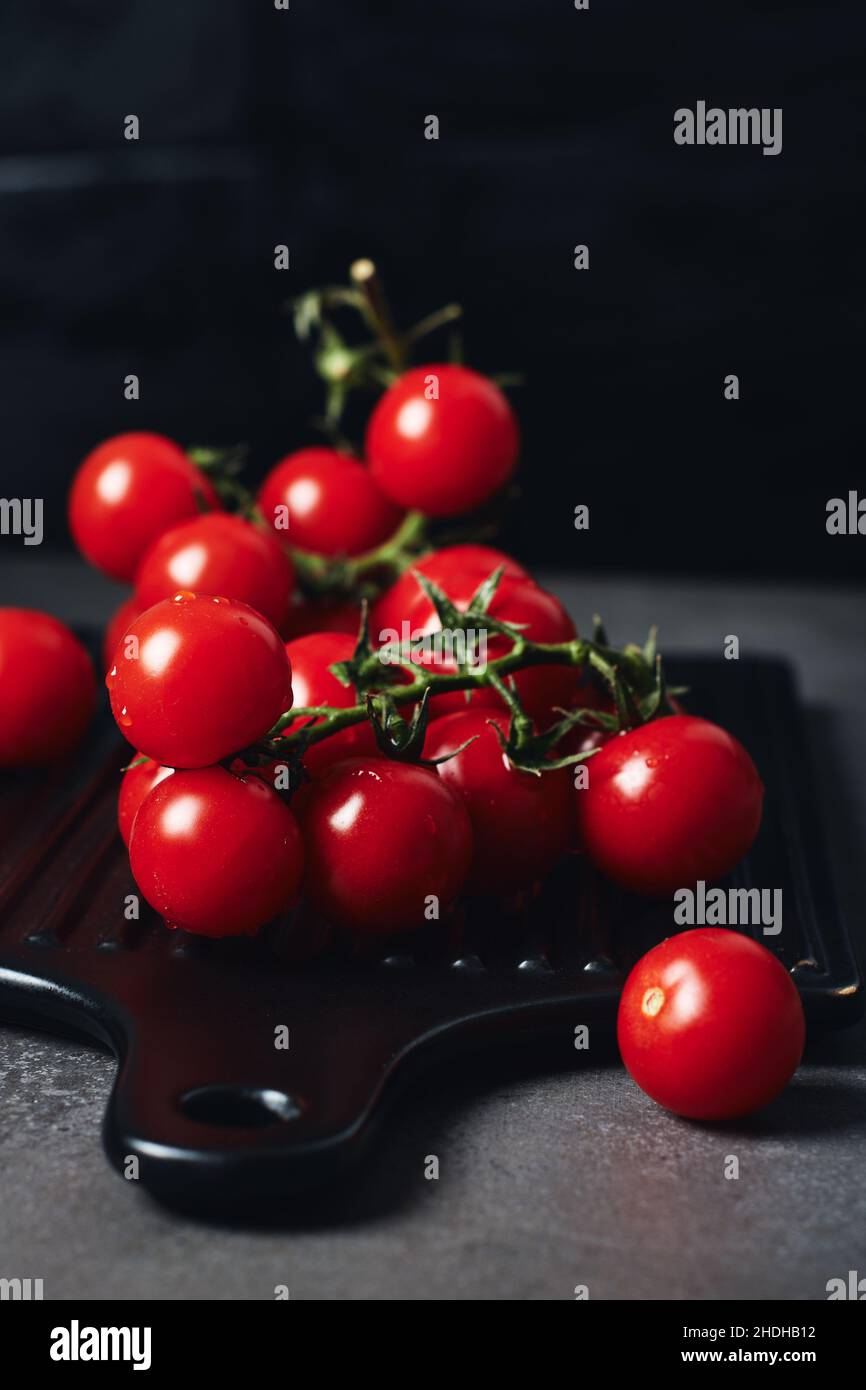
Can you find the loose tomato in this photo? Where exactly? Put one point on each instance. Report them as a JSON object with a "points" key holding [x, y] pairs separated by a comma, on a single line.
{"points": [[197, 678], [324, 501], [539, 616], [672, 802], [521, 823], [222, 555], [117, 626], [443, 439], [47, 688], [313, 683], [710, 1024], [214, 853], [138, 779], [387, 844], [126, 493]]}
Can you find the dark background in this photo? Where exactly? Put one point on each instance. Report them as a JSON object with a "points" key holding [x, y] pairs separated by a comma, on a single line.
{"points": [[306, 127]]}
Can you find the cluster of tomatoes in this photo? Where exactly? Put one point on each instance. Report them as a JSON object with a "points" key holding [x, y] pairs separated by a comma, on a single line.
{"points": [[217, 643]]}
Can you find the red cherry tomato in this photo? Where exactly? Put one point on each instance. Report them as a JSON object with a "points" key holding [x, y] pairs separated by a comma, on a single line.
{"points": [[522, 824], [443, 439], [313, 683], [518, 601], [117, 627], [381, 837], [47, 688], [218, 554], [710, 1024], [197, 678], [669, 803], [138, 780], [331, 503], [216, 854], [126, 493], [454, 568]]}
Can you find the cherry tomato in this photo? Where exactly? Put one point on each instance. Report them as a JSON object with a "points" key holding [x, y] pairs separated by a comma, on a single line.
{"points": [[216, 854], [313, 683], [126, 493], [710, 1024], [198, 678], [460, 568], [138, 780], [47, 688], [672, 802], [218, 554], [381, 839], [518, 601], [331, 503], [442, 439], [521, 823], [117, 626]]}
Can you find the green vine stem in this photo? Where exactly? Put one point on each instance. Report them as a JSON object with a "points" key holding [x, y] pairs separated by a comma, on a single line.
{"points": [[322, 574], [523, 654]]}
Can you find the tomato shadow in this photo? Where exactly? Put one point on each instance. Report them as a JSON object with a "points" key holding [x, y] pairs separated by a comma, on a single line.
{"points": [[806, 1109]]}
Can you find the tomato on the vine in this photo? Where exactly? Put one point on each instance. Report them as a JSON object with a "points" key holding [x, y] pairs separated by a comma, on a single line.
{"points": [[215, 853], [538, 615], [47, 688], [522, 823], [669, 803], [323, 501], [313, 683], [127, 492], [460, 569], [138, 779], [710, 1024], [384, 841], [442, 439], [197, 678], [219, 554]]}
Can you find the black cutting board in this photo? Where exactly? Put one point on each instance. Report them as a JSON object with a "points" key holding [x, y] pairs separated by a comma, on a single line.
{"points": [[205, 1101]]}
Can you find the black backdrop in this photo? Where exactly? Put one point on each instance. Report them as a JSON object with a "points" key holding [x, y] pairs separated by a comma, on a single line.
{"points": [[306, 127]]}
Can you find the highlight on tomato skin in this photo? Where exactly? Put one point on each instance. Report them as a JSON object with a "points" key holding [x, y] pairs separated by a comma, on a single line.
{"points": [[215, 853], [128, 491], [443, 439], [323, 501], [710, 1024], [385, 842], [198, 678], [669, 803], [218, 554]]}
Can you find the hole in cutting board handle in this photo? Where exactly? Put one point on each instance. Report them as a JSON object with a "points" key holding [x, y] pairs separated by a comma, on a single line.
{"points": [[247, 1107]]}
